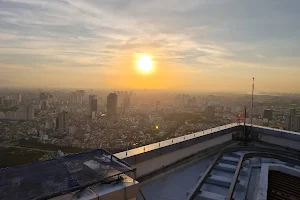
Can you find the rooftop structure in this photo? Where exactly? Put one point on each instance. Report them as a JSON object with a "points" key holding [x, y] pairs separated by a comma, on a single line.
{"points": [[90, 174], [233, 161]]}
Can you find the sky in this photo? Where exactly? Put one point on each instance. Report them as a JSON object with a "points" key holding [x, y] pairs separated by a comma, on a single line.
{"points": [[195, 45]]}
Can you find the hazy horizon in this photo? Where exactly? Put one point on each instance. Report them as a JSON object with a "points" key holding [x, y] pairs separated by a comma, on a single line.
{"points": [[197, 46]]}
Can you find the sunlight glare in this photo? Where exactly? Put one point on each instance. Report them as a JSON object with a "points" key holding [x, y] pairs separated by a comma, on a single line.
{"points": [[145, 63]]}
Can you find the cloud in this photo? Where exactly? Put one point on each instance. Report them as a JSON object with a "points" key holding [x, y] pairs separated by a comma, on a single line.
{"points": [[98, 35]]}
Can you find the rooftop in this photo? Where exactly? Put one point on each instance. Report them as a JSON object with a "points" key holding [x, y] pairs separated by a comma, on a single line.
{"points": [[231, 161], [59, 176]]}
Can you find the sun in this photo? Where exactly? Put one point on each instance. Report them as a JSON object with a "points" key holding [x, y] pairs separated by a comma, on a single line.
{"points": [[145, 64]]}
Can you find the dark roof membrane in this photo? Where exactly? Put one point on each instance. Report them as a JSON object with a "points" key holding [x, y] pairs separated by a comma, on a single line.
{"points": [[59, 176]]}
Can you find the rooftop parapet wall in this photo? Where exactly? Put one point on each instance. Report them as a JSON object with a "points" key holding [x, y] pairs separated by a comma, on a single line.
{"points": [[158, 155], [288, 139], [144, 153], [150, 158]]}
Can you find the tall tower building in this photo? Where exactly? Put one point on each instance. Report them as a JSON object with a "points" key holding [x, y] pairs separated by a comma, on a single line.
{"points": [[19, 98], [210, 112], [30, 112], [73, 97], [291, 120], [268, 114], [22, 113], [92, 99], [126, 102], [293, 111], [63, 121], [94, 107], [82, 92], [45, 105], [79, 96], [112, 103]]}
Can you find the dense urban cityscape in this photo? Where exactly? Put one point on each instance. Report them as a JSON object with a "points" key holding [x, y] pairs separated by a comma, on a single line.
{"points": [[45, 124]]}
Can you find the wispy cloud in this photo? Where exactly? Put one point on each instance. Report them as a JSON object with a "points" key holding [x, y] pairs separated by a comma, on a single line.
{"points": [[199, 35]]}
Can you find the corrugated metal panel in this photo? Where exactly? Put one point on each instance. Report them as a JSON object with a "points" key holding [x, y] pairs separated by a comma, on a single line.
{"points": [[283, 186]]}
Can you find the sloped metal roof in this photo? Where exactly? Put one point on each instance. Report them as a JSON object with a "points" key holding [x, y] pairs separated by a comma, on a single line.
{"points": [[59, 176]]}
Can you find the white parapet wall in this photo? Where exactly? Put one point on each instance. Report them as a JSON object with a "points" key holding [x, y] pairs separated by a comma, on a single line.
{"points": [[159, 162], [156, 156], [287, 139]]}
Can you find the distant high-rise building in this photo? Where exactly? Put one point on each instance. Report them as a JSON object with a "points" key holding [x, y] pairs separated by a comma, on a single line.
{"points": [[11, 115], [1, 101], [30, 112], [21, 113], [43, 96], [93, 115], [94, 105], [190, 102], [291, 121], [91, 101], [112, 103], [126, 103], [258, 108], [79, 96], [45, 105], [73, 97], [295, 123], [19, 98], [82, 92], [194, 101], [63, 121], [210, 112], [268, 114], [293, 112], [51, 97]]}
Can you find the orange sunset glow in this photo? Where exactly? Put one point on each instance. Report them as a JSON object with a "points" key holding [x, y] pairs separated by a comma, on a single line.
{"points": [[183, 46]]}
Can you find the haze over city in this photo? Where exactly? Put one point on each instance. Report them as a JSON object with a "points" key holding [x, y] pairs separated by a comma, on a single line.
{"points": [[196, 46], [149, 99]]}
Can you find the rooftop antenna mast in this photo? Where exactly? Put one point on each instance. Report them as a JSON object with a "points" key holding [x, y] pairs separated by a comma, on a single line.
{"points": [[245, 136], [252, 101]]}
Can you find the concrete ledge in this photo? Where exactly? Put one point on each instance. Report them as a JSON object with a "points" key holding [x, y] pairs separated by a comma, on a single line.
{"points": [[161, 161], [206, 154], [290, 135], [147, 152], [280, 141]]}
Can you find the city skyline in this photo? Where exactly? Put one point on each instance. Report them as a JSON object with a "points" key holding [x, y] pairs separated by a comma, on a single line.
{"points": [[199, 46]]}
